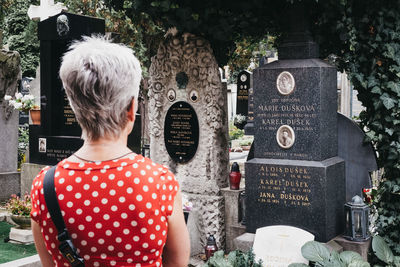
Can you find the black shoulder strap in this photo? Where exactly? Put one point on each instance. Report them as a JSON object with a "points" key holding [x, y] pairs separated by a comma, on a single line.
{"points": [[51, 200]]}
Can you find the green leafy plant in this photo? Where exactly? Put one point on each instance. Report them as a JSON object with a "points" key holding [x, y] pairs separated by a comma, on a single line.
{"points": [[384, 253], [233, 259], [19, 206], [234, 132], [318, 254], [23, 142]]}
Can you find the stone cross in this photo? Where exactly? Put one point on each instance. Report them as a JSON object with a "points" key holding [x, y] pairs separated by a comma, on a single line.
{"points": [[46, 9]]}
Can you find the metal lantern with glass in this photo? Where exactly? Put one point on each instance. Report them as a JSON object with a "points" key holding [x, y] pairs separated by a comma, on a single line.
{"points": [[357, 220]]}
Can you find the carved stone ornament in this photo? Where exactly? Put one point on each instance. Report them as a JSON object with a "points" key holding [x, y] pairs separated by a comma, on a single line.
{"points": [[62, 25], [171, 95], [285, 83], [10, 76], [202, 177], [285, 136]]}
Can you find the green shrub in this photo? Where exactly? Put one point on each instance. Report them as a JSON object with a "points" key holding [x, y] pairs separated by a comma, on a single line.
{"points": [[234, 259]]}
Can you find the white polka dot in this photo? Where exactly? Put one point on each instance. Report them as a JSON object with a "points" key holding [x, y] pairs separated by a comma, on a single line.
{"points": [[139, 197], [103, 256], [135, 165], [159, 243], [143, 230], [103, 170], [50, 230], [136, 238], [99, 225], [152, 236], [91, 234], [164, 232], [129, 190], [83, 242], [61, 180], [88, 218], [131, 207], [129, 260], [124, 164], [101, 241], [69, 188], [151, 179], [120, 254], [106, 166], [86, 202], [145, 188], [148, 167], [70, 204], [78, 180], [81, 227], [128, 174], [95, 178], [158, 228], [56, 174], [145, 258], [128, 246], [148, 205], [156, 212], [93, 249], [111, 176], [96, 264], [142, 215], [118, 239], [78, 195], [106, 217], [108, 232], [114, 208], [104, 201], [119, 169], [116, 224], [81, 164], [113, 263], [79, 211], [124, 215], [112, 192], [95, 193], [133, 223], [136, 180], [86, 257], [71, 220], [145, 245], [122, 199], [74, 236], [103, 185], [154, 196], [53, 245], [126, 231], [143, 172], [150, 221], [96, 209], [120, 183], [86, 187], [70, 173]]}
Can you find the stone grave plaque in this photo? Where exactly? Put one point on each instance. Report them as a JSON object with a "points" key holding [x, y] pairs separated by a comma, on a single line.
{"points": [[280, 245], [181, 132], [243, 86]]}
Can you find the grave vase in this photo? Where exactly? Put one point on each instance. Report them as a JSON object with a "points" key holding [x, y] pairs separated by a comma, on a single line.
{"points": [[24, 222], [35, 116]]}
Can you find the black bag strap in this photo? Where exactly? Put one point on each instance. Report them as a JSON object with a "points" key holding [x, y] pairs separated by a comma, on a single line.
{"points": [[66, 246], [51, 200]]}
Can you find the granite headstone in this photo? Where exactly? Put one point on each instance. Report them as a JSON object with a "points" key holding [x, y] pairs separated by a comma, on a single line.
{"points": [[243, 85], [296, 177]]}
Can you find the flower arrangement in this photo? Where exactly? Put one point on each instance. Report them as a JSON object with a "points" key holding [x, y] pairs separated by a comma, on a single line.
{"points": [[19, 206], [22, 102]]}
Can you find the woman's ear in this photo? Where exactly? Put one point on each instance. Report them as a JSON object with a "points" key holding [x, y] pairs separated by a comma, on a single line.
{"points": [[131, 111]]}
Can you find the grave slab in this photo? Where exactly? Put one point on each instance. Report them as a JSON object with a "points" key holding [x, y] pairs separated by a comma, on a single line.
{"points": [[21, 236]]}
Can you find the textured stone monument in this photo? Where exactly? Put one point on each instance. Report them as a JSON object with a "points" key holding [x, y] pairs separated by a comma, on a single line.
{"points": [[188, 126], [10, 77], [296, 177]]}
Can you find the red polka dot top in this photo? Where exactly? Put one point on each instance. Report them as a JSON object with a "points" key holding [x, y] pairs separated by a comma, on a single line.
{"points": [[115, 211]]}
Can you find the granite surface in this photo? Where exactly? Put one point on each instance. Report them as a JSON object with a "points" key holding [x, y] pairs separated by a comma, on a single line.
{"points": [[305, 194]]}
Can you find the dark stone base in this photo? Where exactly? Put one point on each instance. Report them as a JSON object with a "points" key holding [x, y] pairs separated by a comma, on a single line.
{"points": [[10, 184], [361, 248], [304, 194]]}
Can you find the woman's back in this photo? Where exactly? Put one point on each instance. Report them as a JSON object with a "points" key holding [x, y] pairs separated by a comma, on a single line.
{"points": [[115, 211]]}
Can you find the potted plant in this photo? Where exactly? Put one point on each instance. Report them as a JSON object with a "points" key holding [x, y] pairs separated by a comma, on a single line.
{"points": [[20, 209], [25, 103]]}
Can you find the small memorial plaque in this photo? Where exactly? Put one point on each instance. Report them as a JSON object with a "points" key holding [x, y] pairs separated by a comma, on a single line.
{"points": [[181, 132]]}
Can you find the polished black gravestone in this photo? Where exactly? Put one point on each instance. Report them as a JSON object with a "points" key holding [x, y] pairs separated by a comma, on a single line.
{"points": [[243, 86], [58, 136], [360, 157], [296, 177], [181, 132]]}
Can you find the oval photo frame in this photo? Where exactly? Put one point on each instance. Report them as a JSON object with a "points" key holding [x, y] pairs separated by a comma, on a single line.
{"points": [[285, 83], [285, 136]]}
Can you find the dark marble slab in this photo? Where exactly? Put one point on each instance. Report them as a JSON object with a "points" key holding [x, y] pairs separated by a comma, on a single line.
{"points": [[310, 110], [305, 194]]}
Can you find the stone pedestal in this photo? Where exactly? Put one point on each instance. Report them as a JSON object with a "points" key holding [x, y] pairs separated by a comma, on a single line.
{"points": [[233, 227], [361, 248], [28, 173], [21, 236], [244, 242]]}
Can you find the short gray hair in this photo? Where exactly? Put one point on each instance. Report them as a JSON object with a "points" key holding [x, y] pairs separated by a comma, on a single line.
{"points": [[100, 79]]}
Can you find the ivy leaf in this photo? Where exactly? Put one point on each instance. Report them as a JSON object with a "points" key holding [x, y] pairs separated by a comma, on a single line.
{"points": [[389, 131], [387, 101], [359, 263], [376, 90], [349, 256], [395, 87]]}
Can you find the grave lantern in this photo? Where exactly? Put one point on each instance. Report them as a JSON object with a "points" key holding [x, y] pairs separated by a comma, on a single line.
{"points": [[357, 220]]}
